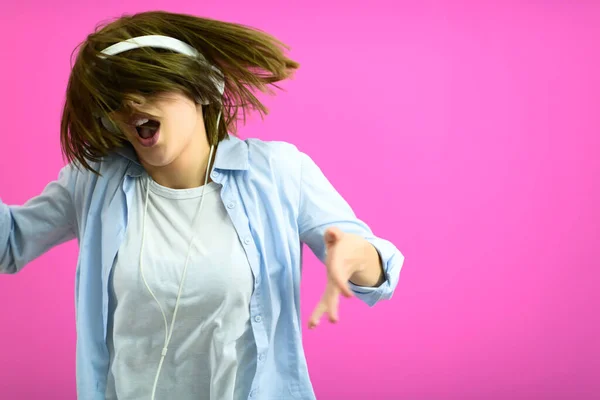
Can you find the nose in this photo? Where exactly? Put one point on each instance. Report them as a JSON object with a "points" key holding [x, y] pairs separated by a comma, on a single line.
{"points": [[135, 100]]}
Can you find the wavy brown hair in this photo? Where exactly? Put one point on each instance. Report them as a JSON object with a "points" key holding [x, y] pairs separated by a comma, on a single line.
{"points": [[249, 59]]}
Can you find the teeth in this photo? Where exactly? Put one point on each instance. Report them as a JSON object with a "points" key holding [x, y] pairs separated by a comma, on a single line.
{"points": [[140, 122]]}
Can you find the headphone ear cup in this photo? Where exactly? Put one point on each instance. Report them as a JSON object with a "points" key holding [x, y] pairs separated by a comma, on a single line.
{"points": [[220, 81], [108, 125], [202, 101]]}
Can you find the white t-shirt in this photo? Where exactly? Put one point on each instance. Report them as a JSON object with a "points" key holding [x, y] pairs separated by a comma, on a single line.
{"points": [[212, 353]]}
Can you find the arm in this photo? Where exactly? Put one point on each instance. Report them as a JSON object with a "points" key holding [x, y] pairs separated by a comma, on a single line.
{"points": [[28, 231], [322, 207]]}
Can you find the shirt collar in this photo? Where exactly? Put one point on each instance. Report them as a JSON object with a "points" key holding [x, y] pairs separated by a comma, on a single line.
{"points": [[231, 154]]}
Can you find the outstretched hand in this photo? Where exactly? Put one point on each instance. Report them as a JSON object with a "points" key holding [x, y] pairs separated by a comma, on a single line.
{"points": [[345, 257]]}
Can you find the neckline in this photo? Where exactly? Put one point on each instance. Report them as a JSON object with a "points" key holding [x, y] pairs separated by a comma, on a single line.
{"points": [[182, 194]]}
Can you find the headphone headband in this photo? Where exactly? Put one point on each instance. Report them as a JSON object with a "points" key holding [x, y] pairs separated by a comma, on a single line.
{"points": [[161, 42], [156, 41]]}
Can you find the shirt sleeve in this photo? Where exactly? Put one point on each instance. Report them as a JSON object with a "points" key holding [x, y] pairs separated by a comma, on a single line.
{"points": [[45, 221], [321, 207]]}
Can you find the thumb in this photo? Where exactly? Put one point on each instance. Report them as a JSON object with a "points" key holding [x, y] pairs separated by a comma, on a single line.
{"points": [[332, 235]]}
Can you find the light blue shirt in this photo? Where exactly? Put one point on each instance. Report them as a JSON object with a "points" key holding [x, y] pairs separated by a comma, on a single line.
{"points": [[277, 199]]}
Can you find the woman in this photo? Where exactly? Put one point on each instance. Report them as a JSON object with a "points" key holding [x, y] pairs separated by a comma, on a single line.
{"points": [[187, 282]]}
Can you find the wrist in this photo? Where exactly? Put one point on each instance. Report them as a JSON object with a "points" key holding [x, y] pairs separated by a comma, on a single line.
{"points": [[369, 267]]}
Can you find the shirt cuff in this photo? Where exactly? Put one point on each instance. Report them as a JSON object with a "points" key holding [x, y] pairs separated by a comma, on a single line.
{"points": [[5, 224], [5, 228], [370, 295], [392, 261]]}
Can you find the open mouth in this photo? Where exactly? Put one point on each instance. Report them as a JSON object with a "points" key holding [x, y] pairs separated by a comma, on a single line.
{"points": [[146, 127]]}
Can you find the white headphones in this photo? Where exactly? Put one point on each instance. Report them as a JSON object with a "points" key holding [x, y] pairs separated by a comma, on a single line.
{"points": [[160, 42]]}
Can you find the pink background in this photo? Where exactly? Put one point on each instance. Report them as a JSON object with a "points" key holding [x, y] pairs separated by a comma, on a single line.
{"points": [[466, 133]]}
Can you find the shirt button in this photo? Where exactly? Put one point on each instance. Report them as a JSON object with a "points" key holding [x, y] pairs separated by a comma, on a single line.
{"points": [[215, 174], [261, 357], [230, 205], [258, 318], [253, 393], [247, 240]]}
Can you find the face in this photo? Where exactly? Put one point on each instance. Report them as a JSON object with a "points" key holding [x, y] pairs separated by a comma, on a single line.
{"points": [[163, 127]]}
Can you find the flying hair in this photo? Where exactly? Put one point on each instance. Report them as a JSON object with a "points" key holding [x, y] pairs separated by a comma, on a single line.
{"points": [[233, 63]]}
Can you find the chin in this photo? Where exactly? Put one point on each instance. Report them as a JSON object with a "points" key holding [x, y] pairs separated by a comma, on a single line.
{"points": [[157, 162], [157, 156]]}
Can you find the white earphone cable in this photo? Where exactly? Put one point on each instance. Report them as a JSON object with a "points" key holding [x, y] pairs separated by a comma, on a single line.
{"points": [[169, 330]]}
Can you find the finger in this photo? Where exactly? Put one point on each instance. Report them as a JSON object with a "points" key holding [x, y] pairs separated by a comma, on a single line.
{"points": [[332, 302], [328, 304], [338, 278], [315, 318], [342, 285]]}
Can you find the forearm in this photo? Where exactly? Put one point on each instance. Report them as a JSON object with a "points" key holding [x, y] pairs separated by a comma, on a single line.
{"points": [[371, 273]]}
